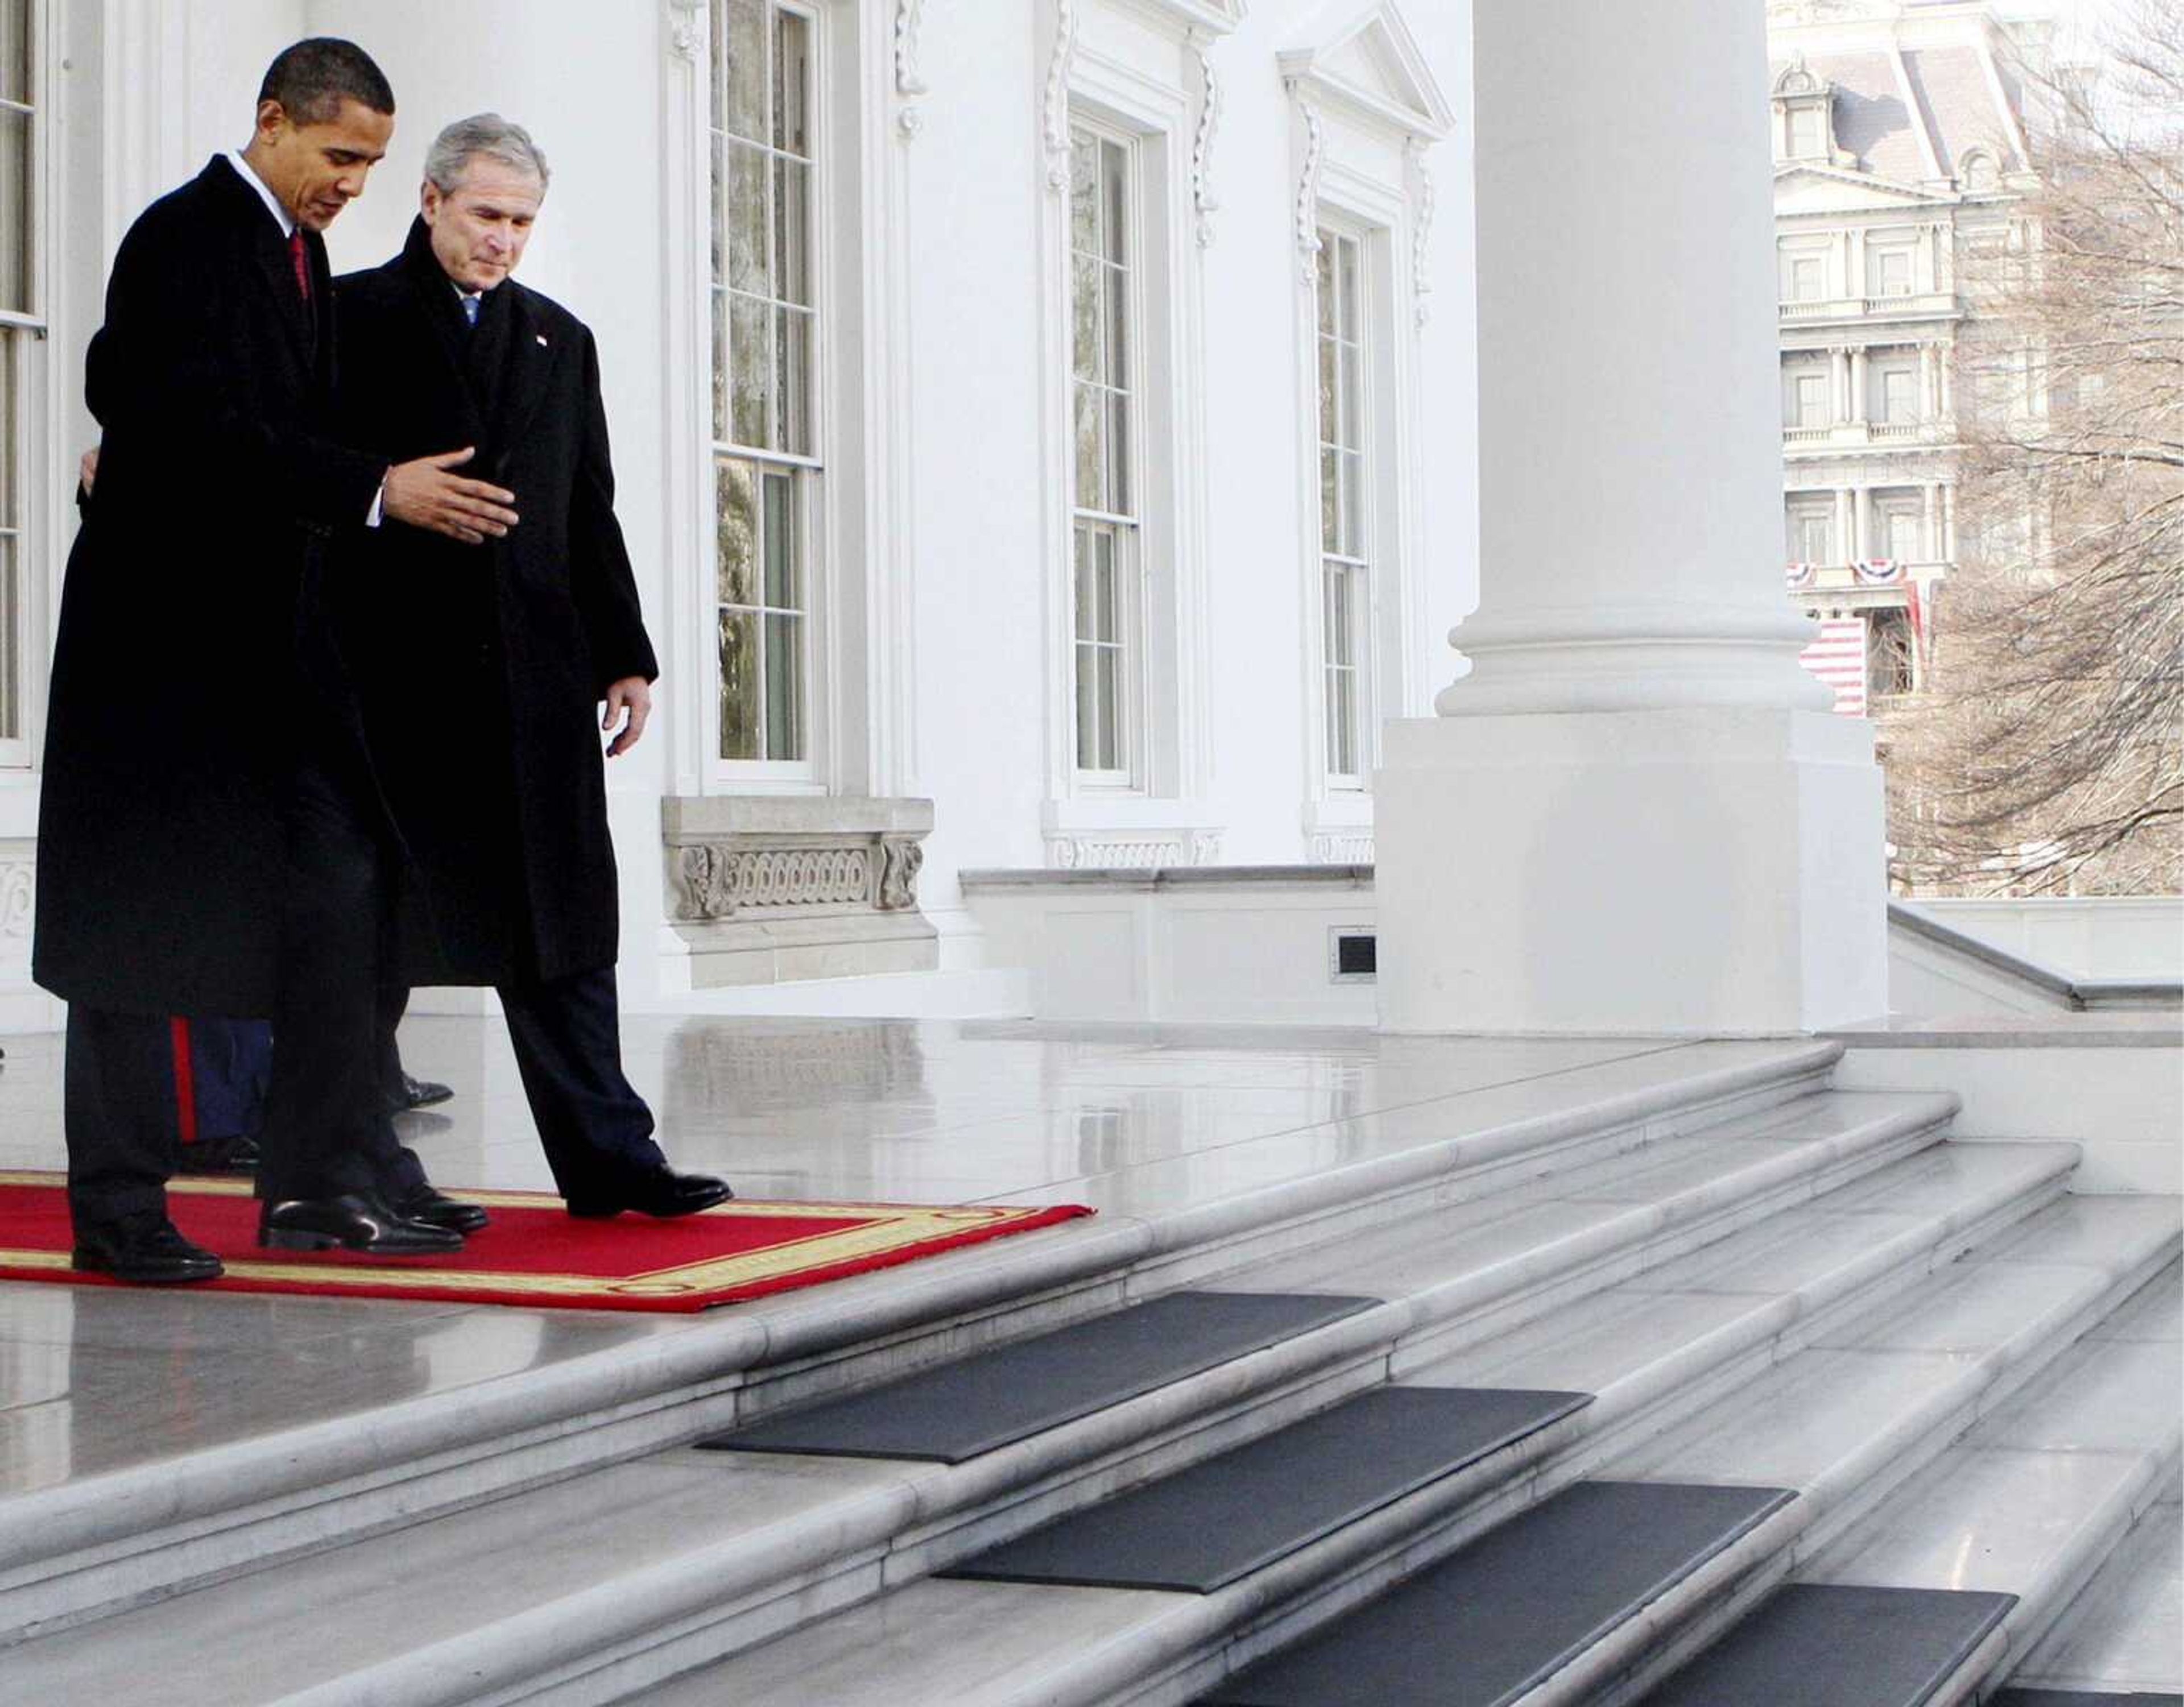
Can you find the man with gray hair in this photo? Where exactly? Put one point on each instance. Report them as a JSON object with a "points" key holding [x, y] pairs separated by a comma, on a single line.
{"points": [[480, 673]]}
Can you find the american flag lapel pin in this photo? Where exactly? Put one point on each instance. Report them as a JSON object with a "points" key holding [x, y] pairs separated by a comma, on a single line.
{"points": [[541, 337]]}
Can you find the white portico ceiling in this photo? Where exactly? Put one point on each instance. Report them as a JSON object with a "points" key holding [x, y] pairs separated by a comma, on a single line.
{"points": [[1373, 66]]}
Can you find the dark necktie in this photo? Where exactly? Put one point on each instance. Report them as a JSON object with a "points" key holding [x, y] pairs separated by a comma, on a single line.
{"points": [[301, 263]]}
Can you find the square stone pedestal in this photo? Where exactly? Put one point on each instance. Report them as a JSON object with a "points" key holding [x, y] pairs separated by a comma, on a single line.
{"points": [[1713, 871]]}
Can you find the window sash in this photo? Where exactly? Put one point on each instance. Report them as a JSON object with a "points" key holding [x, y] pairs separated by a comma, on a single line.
{"points": [[767, 337], [1105, 532], [1343, 435], [23, 144]]}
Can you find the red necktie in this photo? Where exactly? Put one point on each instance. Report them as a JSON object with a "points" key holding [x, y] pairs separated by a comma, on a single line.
{"points": [[301, 263]]}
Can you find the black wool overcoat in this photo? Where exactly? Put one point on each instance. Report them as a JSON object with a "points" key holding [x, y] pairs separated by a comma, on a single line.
{"points": [[479, 669], [192, 663]]}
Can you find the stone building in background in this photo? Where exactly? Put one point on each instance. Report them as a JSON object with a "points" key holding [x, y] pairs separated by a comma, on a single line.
{"points": [[1900, 152]]}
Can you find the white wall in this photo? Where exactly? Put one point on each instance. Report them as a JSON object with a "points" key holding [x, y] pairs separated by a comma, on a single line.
{"points": [[2085, 936], [173, 80]]}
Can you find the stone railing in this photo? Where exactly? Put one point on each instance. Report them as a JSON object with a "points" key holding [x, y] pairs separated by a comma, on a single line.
{"points": [[1920, 304], [766, 888]]}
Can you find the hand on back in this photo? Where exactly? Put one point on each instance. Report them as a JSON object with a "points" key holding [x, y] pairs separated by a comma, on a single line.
{"points": [[428, 493]]}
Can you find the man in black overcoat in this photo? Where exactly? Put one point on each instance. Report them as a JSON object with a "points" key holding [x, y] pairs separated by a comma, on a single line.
{"points": [[209, 837], [481, 674]]}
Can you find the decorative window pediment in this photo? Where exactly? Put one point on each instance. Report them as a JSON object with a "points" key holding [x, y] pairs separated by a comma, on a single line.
{"points": [[1374, 68]]}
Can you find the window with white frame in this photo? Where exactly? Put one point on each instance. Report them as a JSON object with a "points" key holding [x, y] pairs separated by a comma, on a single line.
{"points": [[1896, 401], [1812, 528], [766, 353], [1903, 528], [1889, 271], [1107, 544], [1806, 133], [1344, 510], [1808, 278], [1807, 399], [22, 137]]}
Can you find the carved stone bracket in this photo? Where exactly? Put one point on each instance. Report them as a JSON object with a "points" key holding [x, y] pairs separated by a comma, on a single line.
{"points": [[909, 82], [1422, 219], [1057, 108], [1203, 199], [1307, 194], [688, 35]]}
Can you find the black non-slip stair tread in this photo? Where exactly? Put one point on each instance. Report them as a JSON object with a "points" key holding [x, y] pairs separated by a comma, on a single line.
{"points": [[1487, 1623], [1204, 1528], [1825, 1644], [2081, 1698], [975, 1404]]}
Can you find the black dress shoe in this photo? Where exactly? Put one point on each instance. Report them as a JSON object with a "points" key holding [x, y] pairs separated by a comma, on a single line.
{"points": [[436, 1209], [354, 1222], [406, 1093], [237, 1154], [148, 1251], [662, 1192]]}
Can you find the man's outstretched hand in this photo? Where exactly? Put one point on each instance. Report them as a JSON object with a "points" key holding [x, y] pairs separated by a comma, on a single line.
{"points": [[629, 704], [425, 494]]}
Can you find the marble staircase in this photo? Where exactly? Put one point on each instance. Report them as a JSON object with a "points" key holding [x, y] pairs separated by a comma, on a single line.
{"points": [[1727, 1256]]}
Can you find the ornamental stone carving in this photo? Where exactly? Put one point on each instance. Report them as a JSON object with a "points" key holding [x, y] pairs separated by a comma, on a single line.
{"points": [[767, 888], [1132, 851], [688, 35], [909, 82], [1203, 200], [899, 872], [1307, 192], [1056, 111]]}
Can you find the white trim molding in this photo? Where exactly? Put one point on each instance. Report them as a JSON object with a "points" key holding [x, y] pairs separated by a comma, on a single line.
{"points": [[910, 84], [1307, 192]]}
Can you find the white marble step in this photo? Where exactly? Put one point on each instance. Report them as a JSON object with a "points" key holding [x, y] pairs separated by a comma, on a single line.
{"points": [[86, 1543], [1840, 1434], [2034, 1499], [687, 1556], [2124, 1634], [1854, 1417], [1482, 1267]]}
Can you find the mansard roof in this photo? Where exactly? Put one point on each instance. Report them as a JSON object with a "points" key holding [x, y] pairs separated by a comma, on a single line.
{"points": [[1372, 64], [1912, 103]]}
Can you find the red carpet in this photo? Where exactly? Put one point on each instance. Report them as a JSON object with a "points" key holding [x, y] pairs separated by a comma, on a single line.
{"points": [[534, 1254]]}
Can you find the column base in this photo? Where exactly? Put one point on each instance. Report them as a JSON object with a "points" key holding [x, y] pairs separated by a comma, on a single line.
{"points": [[1713, 871]]}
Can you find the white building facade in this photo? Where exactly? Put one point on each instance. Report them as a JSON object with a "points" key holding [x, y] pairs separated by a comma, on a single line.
{"points": [[1029, 419], [1900, 151], [1055, 435]]}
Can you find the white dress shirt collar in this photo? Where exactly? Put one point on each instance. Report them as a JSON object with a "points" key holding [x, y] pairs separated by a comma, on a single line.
{"points": [[248, 174]]}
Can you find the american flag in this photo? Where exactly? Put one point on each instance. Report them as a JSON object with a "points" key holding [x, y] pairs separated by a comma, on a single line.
{"points": [[1838, 659]]}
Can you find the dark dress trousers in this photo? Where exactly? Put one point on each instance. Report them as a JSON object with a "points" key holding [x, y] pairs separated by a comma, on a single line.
{"points": [[207, 840], [479, 671]]}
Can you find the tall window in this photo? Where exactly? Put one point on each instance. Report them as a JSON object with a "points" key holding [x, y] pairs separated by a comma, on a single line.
{"points": [[1899, 395], [1105, 519], [1345, 627], [1812, 529], [1891, 669], [1808, 278], [21, 304], [1808, 399], [1888, 273], [1804, 133], [765, 352]]}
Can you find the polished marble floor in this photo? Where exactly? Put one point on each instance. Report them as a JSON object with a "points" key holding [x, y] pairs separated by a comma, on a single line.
{"points": [[1130, 1119]]}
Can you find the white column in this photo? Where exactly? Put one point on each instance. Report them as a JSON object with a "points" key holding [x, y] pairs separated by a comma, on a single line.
{"points": [[1930, 539], [1861, 523], [1929, 384], [1861, 405], [1636, 813], [1846, 525], [1840, 358], [1949, 523]]}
